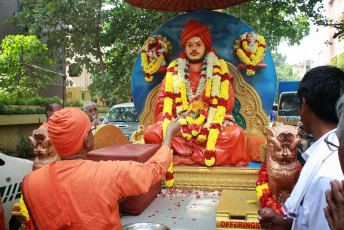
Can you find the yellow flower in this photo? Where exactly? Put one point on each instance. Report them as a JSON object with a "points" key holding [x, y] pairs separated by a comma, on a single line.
{"points": [[260, 188], [169, 183], [153, 66], [201, 138], [210, 162], [23, 209]]}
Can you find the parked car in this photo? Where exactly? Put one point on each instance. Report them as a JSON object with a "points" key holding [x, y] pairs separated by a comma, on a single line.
{"points": [[12, 172], [125, 117]]}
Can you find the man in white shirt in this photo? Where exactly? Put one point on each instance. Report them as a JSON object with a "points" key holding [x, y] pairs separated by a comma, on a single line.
{"points": [[334, 212], [318, 92]]}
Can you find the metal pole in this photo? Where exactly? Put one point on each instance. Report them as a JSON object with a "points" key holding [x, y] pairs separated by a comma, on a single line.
{"points": [[63, 77]]}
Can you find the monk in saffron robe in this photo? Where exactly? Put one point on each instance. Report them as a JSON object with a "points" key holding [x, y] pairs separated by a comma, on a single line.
{"points": [[76, 193], [199, 77]]}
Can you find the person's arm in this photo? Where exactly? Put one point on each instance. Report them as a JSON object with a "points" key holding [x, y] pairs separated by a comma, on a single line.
{"points": [[134, 178], [334, 212], [270, 219]]}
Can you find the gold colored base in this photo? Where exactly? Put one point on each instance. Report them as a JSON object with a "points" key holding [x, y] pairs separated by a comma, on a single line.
{"points": [[214, 178], [237, 210]]}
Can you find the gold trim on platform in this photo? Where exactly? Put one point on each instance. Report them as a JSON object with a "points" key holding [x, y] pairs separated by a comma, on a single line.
{"points": [[214, 178]]}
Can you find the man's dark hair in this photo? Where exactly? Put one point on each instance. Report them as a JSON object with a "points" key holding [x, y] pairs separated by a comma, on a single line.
{"points": [[49, 107], [321, 87]]}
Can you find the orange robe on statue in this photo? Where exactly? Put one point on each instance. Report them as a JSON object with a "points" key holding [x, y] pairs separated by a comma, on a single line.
{"points": [[83, 194], [230, 149]]}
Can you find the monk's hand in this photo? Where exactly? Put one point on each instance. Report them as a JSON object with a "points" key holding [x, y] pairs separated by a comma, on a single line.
{"points": [[270, 219], [172, 129], [334, 212]]}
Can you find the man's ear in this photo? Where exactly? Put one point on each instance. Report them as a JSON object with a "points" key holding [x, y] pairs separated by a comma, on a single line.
{"points": [[305, 105], [87, 141], [49, 113]]}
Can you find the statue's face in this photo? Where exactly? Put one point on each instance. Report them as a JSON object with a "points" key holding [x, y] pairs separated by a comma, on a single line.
{"points": [[43, 149], [282, 145], [41, 142], [153, 41], [195, 49], [249, 37]]}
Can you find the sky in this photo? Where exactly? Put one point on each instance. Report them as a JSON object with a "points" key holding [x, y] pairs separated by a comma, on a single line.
{"points": [[309, 48]]}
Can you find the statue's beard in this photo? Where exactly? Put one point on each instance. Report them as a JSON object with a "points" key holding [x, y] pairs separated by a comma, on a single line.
{"points": [[153, 44], [198, 60]]}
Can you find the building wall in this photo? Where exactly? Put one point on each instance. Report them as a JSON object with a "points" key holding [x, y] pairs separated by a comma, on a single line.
{"points": [[332, 52], [7, 8], [81, 94]]}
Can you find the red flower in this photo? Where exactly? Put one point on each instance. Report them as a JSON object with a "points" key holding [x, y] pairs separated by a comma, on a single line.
{"points": [[170, 69], [186, 129], [215, 126], [204, 113], [177, 95], [167, 116], [225, 77], [169, 94], [213, 51], [222, 102], [209, 154], [194, 127], [169, 176], [204, 131], [182, 55]]}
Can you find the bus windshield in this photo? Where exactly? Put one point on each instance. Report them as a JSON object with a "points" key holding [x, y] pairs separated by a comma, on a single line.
{"points": [[289, 104]]}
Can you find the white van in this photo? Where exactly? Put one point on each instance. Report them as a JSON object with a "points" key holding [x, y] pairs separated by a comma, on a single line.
{"points": [[125, 117], [12, 172]]}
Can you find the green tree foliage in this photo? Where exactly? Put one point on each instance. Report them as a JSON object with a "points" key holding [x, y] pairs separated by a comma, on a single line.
{"points": [[280, 19], [85, 28], [128, 27], [18, 58]]}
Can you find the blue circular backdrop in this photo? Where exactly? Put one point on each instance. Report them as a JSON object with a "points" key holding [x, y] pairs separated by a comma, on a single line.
{"points": [[224, 29]]}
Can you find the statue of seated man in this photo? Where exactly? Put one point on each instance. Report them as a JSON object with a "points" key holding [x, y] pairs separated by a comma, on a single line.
{"points": [[153, 58], [199, 86]]}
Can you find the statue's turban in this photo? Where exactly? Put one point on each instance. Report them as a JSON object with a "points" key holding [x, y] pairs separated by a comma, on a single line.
{"points": [[67, 129], [193, 28]]}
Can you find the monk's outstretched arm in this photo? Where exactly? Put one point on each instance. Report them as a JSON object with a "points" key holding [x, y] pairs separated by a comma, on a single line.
{"points": [[134, 178]]}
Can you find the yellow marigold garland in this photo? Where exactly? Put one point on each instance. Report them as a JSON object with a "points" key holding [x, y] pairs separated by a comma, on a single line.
{"points": [[153, 65], [23, 210], [216, 89], [256, 55]]}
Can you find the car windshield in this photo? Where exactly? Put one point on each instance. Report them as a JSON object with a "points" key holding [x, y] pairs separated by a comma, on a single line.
{"points": [[289, 105], [125, 114]]}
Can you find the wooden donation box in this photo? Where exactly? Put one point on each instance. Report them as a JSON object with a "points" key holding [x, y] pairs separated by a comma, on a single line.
{"points": [[238, 210], [134, 152]]}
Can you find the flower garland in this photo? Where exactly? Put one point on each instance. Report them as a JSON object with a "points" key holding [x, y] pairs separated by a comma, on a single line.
{"points": [[264, 194], [152, 62], [250, 58], [24, 212], [215, 78]]}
